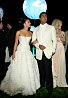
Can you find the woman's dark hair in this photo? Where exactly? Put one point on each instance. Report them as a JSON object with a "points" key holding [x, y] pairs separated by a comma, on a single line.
{"points": [[21, 22]]}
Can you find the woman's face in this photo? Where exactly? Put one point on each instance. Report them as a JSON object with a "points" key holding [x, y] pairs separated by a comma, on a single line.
{"points": [[58, 26], [27, 23]]}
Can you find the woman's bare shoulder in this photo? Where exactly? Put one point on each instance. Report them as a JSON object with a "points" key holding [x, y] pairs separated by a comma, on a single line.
{"points": [[19, 32]]}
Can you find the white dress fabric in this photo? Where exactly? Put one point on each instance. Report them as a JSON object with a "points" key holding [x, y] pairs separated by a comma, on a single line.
{"points": [[59, 66], [23, 74]]}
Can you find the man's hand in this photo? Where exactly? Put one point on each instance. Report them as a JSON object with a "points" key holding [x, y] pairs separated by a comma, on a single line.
{"points": [[42, 47]]}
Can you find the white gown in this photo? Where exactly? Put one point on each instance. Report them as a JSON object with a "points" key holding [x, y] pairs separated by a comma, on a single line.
{"points": [[59, 66], [23, 74]]}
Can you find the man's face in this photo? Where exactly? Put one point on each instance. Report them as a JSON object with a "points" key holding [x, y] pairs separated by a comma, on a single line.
{"points": [[8, 26], [1, 25], [43, 18]]}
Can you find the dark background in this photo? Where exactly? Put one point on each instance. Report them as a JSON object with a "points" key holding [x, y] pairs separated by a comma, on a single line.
{"points": [[55, 9]]}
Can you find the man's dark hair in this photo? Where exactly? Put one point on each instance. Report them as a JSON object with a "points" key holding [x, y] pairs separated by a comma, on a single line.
{"points": [[41, 14]]}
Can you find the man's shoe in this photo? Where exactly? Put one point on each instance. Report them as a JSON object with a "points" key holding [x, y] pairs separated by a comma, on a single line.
{"points": [[49, 94]]}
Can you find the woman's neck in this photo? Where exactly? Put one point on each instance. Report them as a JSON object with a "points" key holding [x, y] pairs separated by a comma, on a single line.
{"points": [[25, 29]]}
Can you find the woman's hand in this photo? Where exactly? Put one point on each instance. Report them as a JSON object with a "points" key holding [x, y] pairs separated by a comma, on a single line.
{"points": [[34, 42], [13, 56]]}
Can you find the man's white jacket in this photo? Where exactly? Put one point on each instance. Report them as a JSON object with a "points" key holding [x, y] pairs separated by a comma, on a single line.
{"points": [[46, 36]]}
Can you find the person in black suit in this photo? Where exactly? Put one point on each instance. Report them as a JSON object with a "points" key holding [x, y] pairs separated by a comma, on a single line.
{"points": [[2, 51], [10, 37]]}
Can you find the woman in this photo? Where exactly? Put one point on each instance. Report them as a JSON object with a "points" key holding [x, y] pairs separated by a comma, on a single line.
{"points": [[22, 75], [58, 59]]}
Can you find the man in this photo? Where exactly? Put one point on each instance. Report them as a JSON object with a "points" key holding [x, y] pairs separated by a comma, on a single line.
{"points": [[44, 38], [10, 37], [2, 51]]}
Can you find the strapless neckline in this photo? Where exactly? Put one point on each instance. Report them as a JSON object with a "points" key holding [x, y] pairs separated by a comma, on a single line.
{"points": [[24, 36]]}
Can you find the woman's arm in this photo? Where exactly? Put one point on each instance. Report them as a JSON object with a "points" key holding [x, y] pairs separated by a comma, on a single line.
{"points": [[16, 44], [63, 38], [34, 42]]}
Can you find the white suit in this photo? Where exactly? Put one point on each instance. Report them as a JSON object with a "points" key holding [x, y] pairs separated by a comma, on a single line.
{"points": [[45, 35]]}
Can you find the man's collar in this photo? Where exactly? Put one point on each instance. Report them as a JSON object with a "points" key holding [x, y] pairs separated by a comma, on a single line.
{"points": [[43, 24]]}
